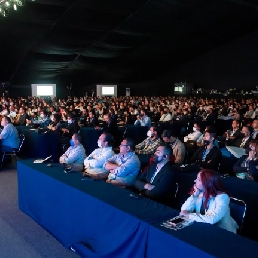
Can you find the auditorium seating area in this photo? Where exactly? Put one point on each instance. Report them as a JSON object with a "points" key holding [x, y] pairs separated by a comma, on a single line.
{"points": [[184, 111]]}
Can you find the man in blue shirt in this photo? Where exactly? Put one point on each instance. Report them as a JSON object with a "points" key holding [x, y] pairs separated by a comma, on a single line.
{"points": [[43, 121], [143, 119], [9, 135]]}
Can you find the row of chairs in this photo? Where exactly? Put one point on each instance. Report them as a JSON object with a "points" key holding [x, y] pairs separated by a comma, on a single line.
{"points": [[15, 151]]}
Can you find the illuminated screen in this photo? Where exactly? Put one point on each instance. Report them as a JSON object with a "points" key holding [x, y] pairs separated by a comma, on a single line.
{"points": [[44, 90], [108, 90]]}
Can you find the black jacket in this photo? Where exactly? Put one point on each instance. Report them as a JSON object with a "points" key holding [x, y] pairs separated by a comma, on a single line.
{"points": [[239, 141], [236, 135], [251, 168], [164, 182], [212, 159]]}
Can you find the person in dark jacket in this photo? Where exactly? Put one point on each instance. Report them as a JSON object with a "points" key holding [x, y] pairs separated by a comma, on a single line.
{"points": [[159, 181], [247, 166], [207, 156]]}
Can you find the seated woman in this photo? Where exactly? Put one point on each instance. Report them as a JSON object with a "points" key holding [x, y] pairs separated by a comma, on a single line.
{"points": [[247, 166], [209, 202]]}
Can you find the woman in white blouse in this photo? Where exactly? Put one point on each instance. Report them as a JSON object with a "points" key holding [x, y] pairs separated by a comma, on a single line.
{"points": [[209, 202]]}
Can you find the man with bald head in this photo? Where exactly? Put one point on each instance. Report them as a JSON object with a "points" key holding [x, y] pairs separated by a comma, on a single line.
{"points": [[159, 181]]}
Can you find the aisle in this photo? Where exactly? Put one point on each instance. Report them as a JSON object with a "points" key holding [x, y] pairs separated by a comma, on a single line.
{"points": [[20, 236]]}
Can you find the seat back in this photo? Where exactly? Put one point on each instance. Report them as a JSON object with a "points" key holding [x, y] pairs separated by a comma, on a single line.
{"points": [[237, 211], [22, 139]]}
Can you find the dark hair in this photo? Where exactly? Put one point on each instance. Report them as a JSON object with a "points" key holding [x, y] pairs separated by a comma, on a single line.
{"points": [[198, 124], [8, 119], [211, 129], [109, 138], [77, 137], [57, 117], [212, 183], [70, 115], [44, 111], [130, 142], [211, 133], [155, 128], [238, 122], [167, 150], [249, 128]]}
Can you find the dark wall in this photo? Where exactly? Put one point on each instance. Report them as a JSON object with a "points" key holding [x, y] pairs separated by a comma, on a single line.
{"points": [[231, 65]]}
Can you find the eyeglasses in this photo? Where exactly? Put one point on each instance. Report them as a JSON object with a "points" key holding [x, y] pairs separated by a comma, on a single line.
{"points": [[123, 145]]}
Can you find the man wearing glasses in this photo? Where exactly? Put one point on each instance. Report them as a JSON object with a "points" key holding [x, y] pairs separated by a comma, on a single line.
{"points": [[123, 167]]}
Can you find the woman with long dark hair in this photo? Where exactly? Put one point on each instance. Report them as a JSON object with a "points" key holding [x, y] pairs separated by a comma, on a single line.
{"points": [[209, 202]]}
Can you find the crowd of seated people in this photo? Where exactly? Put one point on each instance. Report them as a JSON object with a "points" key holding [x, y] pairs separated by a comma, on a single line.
{"points": [[174, 123]]}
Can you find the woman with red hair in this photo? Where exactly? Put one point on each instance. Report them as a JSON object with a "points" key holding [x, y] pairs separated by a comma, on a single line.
{"points": [[209, 202]]}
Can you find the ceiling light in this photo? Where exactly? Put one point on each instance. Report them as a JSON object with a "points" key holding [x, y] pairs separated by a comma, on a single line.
{"points": [[5, 5]]}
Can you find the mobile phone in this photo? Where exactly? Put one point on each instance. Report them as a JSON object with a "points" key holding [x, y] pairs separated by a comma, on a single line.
{"points": [[176, 221]]}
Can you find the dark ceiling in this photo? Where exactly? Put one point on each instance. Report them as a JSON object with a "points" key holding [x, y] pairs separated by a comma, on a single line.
{"points": [[115, 41]]}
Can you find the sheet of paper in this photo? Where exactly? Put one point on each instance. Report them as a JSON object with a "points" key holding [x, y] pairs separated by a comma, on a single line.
{"points": [[237, 152]]}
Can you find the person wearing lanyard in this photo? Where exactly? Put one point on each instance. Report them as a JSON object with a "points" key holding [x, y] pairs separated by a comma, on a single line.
{"points": [[207, 156]]}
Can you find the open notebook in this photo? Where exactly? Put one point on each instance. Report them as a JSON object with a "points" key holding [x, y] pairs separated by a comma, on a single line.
{"points": [[42, 160], [177, 223]]}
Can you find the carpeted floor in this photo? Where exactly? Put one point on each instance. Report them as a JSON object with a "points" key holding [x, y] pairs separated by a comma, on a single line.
{"points": [[20, 236]]}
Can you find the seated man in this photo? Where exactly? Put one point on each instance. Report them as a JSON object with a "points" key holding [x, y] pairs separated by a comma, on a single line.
{"points": [[233, 134], [166, 117], [178, 148], [70, 128], [159, 181], [43, 121], [243, 142], [246, 166], [95, 161], [123, 167], [75, 154], [200, 141], [149, 145], [208, 156], [255, 129], [195, 135], [143, 119], [110, 126], [21, 117], [9, 135]]}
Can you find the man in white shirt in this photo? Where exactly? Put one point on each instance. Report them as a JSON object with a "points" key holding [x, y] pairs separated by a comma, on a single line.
{"points": [[195, 135], [95, 161], [75, 154], [166, 117]]}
